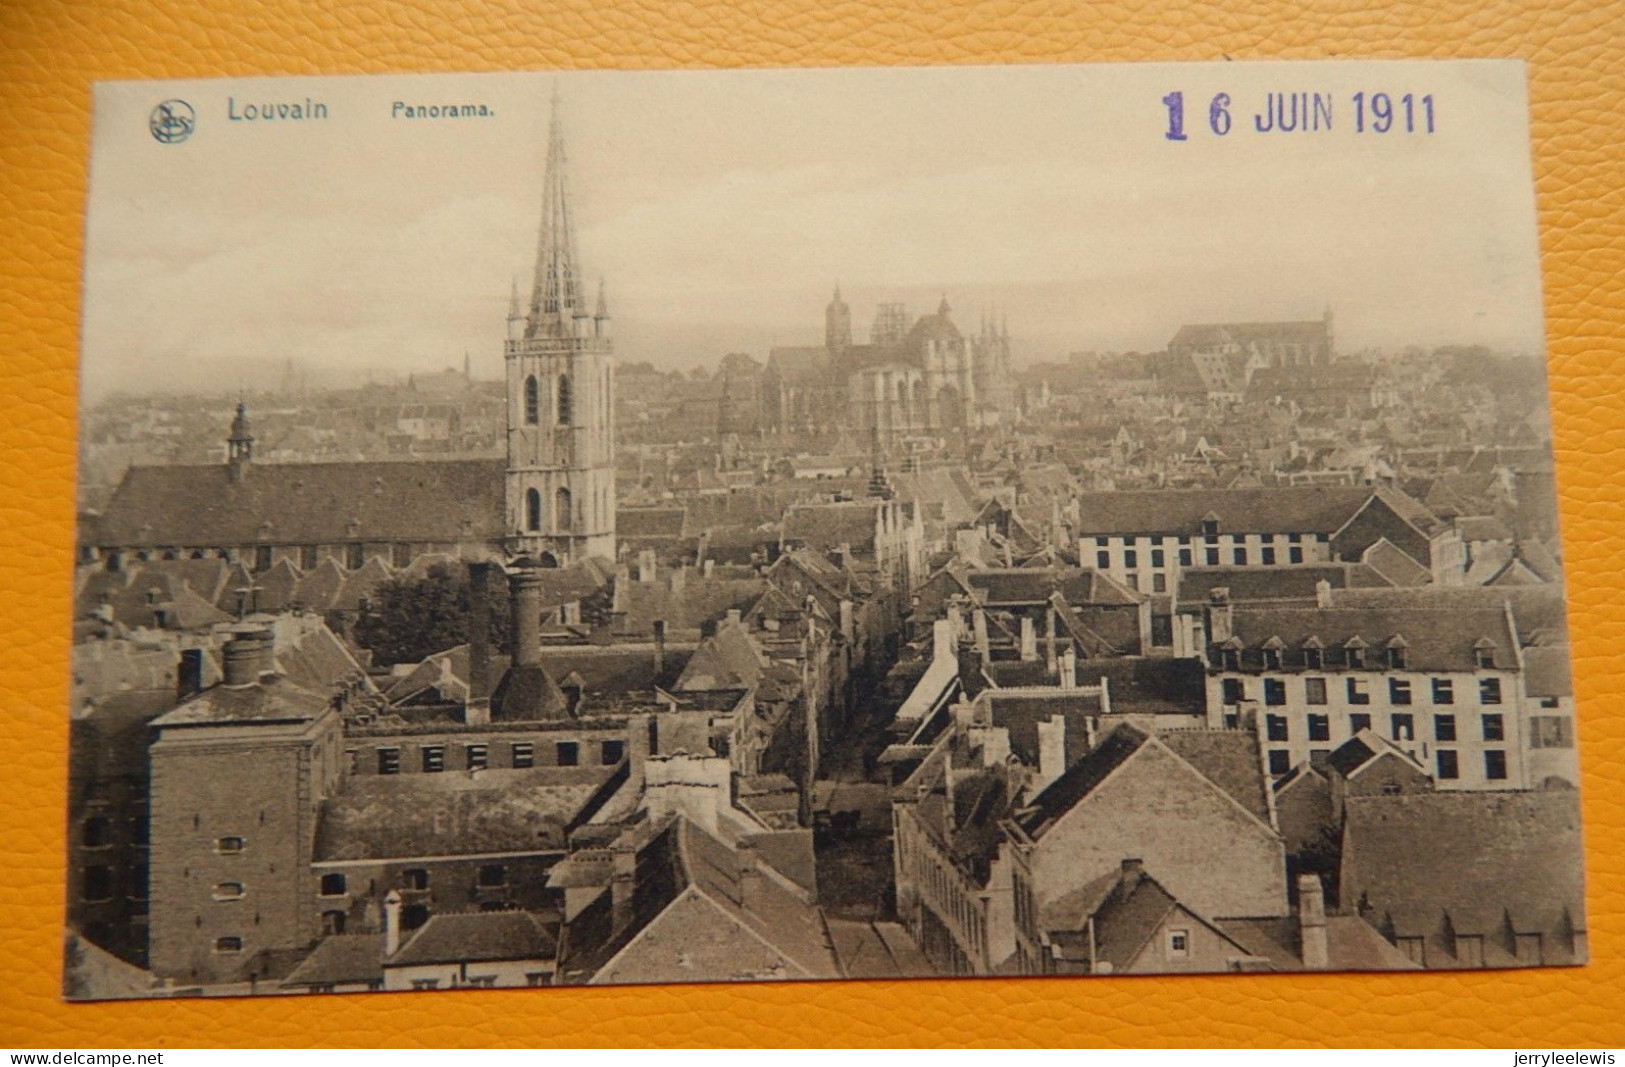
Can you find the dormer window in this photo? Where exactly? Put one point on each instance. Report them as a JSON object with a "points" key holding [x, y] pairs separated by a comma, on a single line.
{"points": [[1354, 651], [1484, 654], [1314, 657], [1210, 527], [1272, 654], [1395, 654]]}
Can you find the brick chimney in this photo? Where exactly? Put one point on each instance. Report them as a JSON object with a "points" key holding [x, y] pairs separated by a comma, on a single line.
{"points": [[1323, 594], [247, 656], [1312, 923], [1220, 616], [1133, 871], [525, 592], [1051, 751], [392, 924], [1068, 673], [1029, 639], [478, 709], [660, 645], [622, 883], [1049, 638]]}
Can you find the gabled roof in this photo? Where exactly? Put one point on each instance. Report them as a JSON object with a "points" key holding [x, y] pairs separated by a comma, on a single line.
{"points": [[307, 503], [477, 937], [1482, 859], [1437, 639], [341, 959], [650, 523], [828, 526], [1032, 586], [1227, 759], [271, 700], [1278, 509]]}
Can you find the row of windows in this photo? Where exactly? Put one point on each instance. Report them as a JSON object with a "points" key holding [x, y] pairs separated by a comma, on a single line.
{"points": [[1315, 657], [1357, 691], [522, 755], [1401, 727], [1210, 557], [97, 831], [1447, 763], [101, 884], [1210, 535]]}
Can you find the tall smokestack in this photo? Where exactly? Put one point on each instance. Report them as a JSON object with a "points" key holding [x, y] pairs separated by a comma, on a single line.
{"points": [[660, 645], [479, 643], [525, 590]]}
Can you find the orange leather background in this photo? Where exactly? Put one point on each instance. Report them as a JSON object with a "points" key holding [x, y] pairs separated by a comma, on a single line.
{"points": [[51, 52]]}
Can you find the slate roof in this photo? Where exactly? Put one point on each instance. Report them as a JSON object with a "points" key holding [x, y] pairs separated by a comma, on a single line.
{"points": [[800, 364], [451, 814], [650, 523], [307, 503], [1149, 685], [1394, 565], [272, 700], [1434, 639], [1537, 609], [828, 526], [1548, 671], [1020, 714], [1278, 509], [1027, 586], [476, 937], [1228, 759], [1480, 858], [341, 959], [1246, 584]]}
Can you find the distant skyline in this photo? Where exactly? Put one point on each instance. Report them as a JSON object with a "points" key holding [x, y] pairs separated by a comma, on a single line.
{"points": [[723, 207]]}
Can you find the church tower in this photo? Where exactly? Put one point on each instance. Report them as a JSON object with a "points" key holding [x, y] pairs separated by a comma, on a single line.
{"points": [[837, 325], [561, 403]]}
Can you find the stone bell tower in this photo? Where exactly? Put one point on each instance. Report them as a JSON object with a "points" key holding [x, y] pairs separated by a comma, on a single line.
{"points": [[561, 404]]}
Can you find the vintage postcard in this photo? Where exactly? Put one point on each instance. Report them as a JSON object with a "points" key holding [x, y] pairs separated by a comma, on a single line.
{"points": [[776, 525]]}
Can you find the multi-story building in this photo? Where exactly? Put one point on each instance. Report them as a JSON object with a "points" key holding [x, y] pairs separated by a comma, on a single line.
{"points": [[1445, 686], [1148, 538]]}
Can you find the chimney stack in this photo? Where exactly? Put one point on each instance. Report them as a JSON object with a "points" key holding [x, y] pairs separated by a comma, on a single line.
{"points": [[1029, 640], [1133, 871], [478, 711], [1220, 616], [247, 656], [1323, 594], [660, 645], [1049, 637], [646, 565], [1051, 751], [622, 883], [1312, 923], [1069, 668], [525, 589], [392, 924]]}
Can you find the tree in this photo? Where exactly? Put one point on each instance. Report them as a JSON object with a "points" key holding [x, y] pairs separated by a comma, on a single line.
{"points": [[407, 620]]}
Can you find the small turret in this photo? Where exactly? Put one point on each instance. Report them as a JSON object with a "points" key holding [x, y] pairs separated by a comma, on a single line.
{"points": [[600, 318], [516, 318]]}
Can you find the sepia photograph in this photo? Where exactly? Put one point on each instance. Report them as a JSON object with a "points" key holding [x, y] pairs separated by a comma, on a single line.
{"points": [[720, 526]]}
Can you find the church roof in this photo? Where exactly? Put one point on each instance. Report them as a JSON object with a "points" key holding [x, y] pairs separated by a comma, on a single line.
{"points": [[307, 503]]}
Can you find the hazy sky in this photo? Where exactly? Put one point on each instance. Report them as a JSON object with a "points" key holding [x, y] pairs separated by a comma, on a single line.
{"points": [[722, 208]]}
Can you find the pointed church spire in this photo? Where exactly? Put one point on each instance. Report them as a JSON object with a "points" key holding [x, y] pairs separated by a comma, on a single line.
{"points": [[555, 297]]}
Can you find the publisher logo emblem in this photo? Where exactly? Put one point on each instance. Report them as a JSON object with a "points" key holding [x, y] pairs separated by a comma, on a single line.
{"points": [[172, 122]]}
